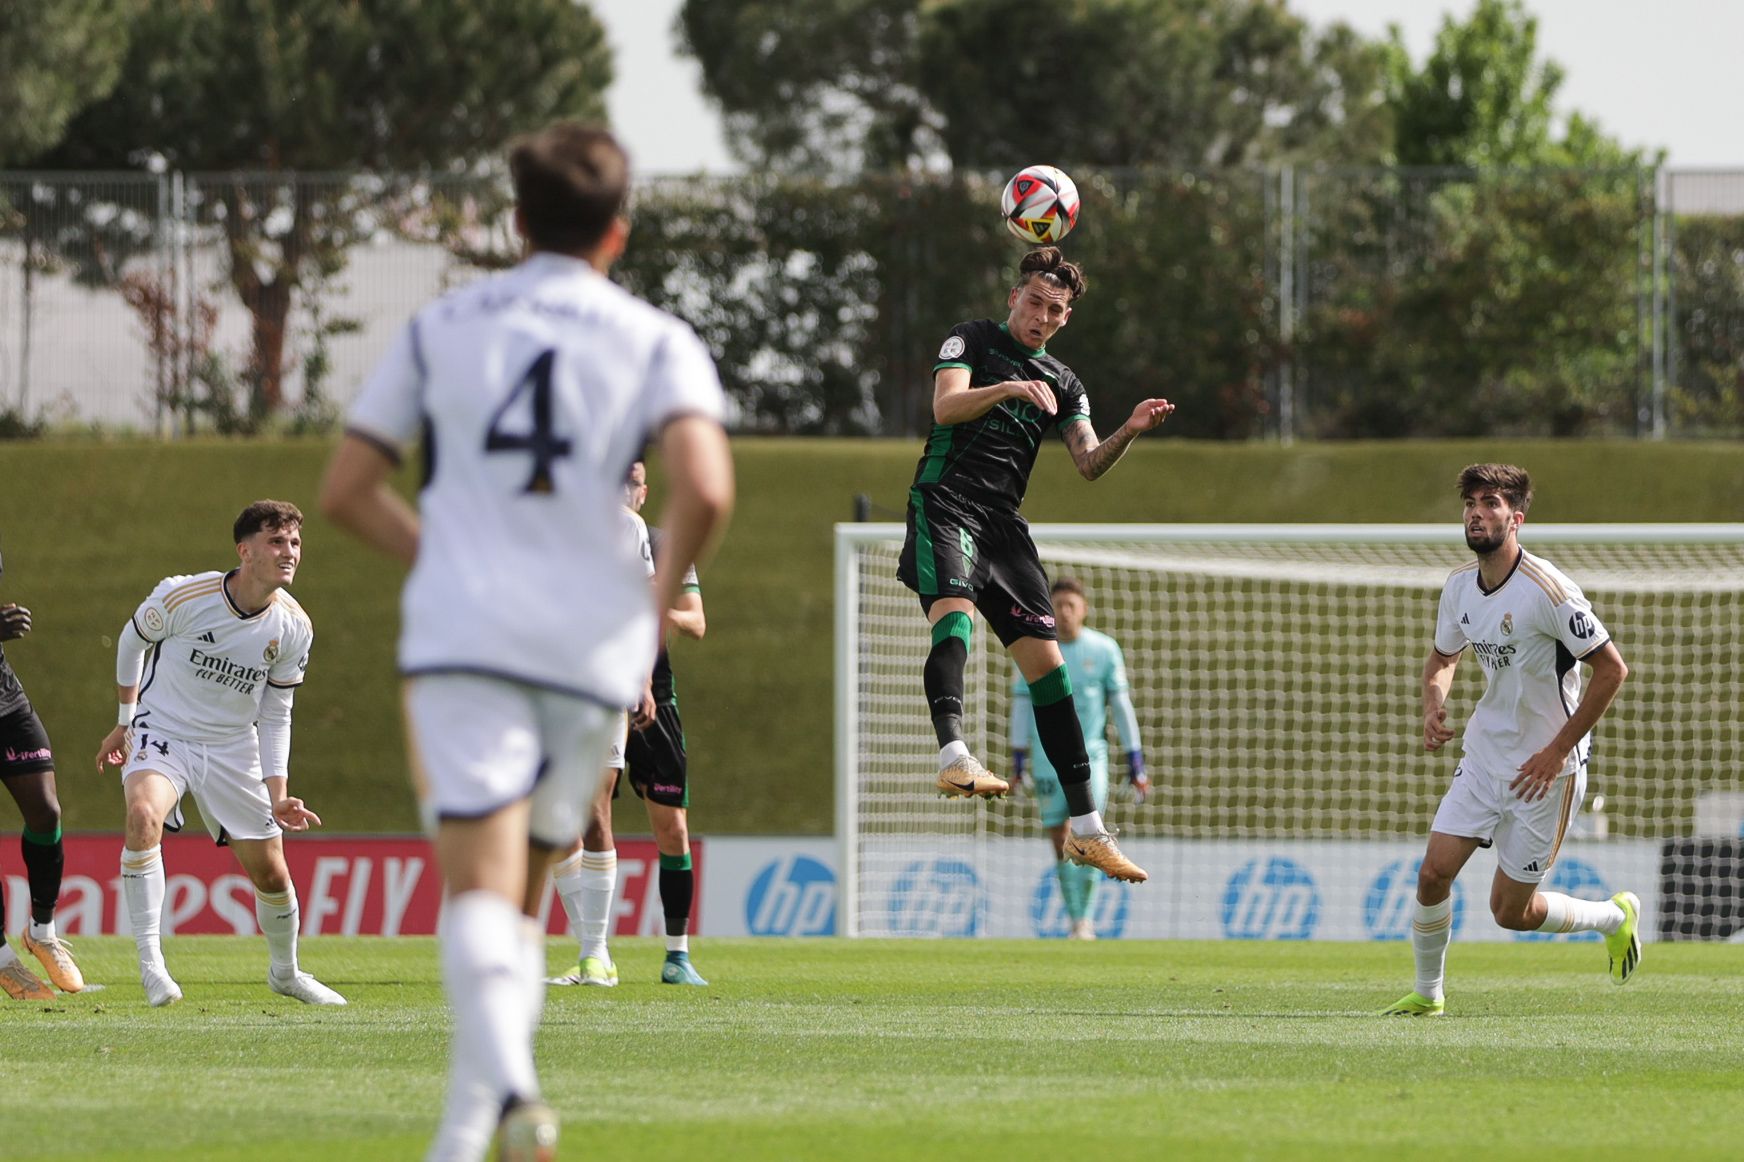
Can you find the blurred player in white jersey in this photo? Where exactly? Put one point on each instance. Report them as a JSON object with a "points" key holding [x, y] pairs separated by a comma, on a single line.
{"points": [[526, 626], [1524, 772], [1097, 669], [654, 754], [221, 652]]}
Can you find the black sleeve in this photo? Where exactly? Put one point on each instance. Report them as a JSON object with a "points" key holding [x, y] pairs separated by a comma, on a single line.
{"points": [[963, 347]]}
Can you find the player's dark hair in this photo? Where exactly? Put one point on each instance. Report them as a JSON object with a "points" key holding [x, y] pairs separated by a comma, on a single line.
{"points": [[1049, 265], [1513, 483], [570, 180], [1067, 584], [267, 514]]}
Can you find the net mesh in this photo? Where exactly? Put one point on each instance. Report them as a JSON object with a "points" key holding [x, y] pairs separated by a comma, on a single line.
{"points": [[1276, 687]]}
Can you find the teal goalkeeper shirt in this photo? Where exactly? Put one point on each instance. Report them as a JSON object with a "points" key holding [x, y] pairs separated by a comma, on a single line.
{"points": [[1098, 672]]}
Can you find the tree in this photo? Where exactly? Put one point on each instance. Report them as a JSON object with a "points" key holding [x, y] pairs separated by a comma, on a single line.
{"points": [[263, 91], [813, 86], [1485, 99], [60, 55], [1181, 83], [825, 85]]}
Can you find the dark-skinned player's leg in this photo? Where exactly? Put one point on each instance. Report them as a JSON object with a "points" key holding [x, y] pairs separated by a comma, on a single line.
{"points": [[44, 860]]}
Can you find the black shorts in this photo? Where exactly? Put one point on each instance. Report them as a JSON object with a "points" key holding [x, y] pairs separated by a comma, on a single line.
{"points": [[24, 745], [958, 549], [654, 760]]}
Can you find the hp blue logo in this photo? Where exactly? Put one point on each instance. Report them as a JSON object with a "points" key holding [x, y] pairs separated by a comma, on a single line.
{"points": [[1047, 911], [794, 896], [936, 897], [1577, 878], [1391, 902], [1271, 899]]}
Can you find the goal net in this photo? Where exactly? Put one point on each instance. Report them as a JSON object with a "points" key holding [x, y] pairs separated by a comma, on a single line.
{"points": [[1275, 671]]}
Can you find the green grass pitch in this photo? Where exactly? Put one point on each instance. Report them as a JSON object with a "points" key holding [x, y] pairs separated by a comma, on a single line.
{"points": [[836, 1049]]}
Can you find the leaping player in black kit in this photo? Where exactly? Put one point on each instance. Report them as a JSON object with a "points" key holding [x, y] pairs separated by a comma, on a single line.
{"points": [[996, 392]]}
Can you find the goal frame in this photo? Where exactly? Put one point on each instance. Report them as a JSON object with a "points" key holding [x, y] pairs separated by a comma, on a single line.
{"points": [[849, 537]]}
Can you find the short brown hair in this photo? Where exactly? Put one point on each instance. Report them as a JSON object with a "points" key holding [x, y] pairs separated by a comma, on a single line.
{"points": [[1049, 265], [267, 514], [1065, 583], [570, 180], [1513, 483]]}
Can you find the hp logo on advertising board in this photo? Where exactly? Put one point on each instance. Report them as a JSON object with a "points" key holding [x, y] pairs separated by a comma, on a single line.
{"points": [[936, 897], [1047, 911], [1270, 899], [793, 896], [1391, 902], [1577, 878]]}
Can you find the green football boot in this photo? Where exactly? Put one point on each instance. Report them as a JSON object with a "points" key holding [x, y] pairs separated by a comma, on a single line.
{"points": [[1415, 1005], [1624, 944]]}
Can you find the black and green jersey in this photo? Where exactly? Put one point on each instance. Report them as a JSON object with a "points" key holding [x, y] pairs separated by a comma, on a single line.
{"points": [[988, 460], [665, 689], [11, 693]]}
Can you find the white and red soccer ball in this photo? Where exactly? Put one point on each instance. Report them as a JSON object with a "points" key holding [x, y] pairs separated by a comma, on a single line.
{"points": [[1040, 204]]}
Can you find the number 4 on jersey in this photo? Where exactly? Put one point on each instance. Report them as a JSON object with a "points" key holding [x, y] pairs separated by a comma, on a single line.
{"points": [[544, 444]]}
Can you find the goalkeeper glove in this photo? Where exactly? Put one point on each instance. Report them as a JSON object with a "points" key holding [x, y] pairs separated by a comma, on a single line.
{"points": [[1019, 759], [1135, 774]]}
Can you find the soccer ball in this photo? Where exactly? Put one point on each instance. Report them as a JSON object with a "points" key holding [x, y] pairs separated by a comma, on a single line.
{"points": [[1040, 204]]}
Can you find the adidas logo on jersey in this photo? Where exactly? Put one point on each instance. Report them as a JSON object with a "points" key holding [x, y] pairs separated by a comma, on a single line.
{"points": [[208, 638], [1465, 619]]}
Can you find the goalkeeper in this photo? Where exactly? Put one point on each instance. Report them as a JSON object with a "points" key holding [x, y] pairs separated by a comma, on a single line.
{"points": [[1098, 672]]}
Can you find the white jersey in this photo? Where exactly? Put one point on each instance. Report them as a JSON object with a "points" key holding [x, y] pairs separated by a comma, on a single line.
{"points": [[535, 390], [638, 541], [1528, 634], [210, 661]]}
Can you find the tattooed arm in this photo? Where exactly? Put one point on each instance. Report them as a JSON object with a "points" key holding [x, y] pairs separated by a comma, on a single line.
{"points": [[1095, 457]]}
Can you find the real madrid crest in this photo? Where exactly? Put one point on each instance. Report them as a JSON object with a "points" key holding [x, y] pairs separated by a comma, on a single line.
{"points": [[271, 653], [1508, 623]]}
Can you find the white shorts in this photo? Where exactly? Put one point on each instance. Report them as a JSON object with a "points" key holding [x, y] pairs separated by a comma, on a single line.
{"points": [[224, 777], [1526, 836], [479, 744], [620, 740]]}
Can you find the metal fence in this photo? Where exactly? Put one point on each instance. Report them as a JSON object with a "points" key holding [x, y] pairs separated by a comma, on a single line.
{"points": [[1297, 303]]}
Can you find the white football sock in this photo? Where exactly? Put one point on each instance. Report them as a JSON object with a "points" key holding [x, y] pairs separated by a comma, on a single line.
{"points": [[951, 752], [277, 915], [1567, 914], [485, 969], [142, 885], [1090, 824], [587, 898], [1431, 931], [42, 931], [533, 965]]}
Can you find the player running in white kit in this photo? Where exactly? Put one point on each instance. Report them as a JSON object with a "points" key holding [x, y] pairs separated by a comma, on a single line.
{"points": [[1524, 772], [526, 626]]}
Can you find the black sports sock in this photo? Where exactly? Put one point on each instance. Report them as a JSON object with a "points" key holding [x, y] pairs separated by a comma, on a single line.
{"points": [[677, 890], [944, 675], [44, 859], [1062, 736]]}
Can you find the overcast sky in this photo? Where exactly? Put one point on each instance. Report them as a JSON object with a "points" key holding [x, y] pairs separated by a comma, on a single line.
{"points": [[1658, 73]]}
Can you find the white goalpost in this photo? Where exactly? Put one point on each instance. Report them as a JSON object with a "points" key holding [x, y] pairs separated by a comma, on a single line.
{"points": [[1275, 672]]}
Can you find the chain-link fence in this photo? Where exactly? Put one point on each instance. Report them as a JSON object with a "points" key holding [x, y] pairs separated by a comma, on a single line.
{"points": [[1292, 303]]}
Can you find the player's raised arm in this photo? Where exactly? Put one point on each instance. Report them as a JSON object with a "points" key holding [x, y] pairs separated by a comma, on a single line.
{"points": [[1095, 457]]}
